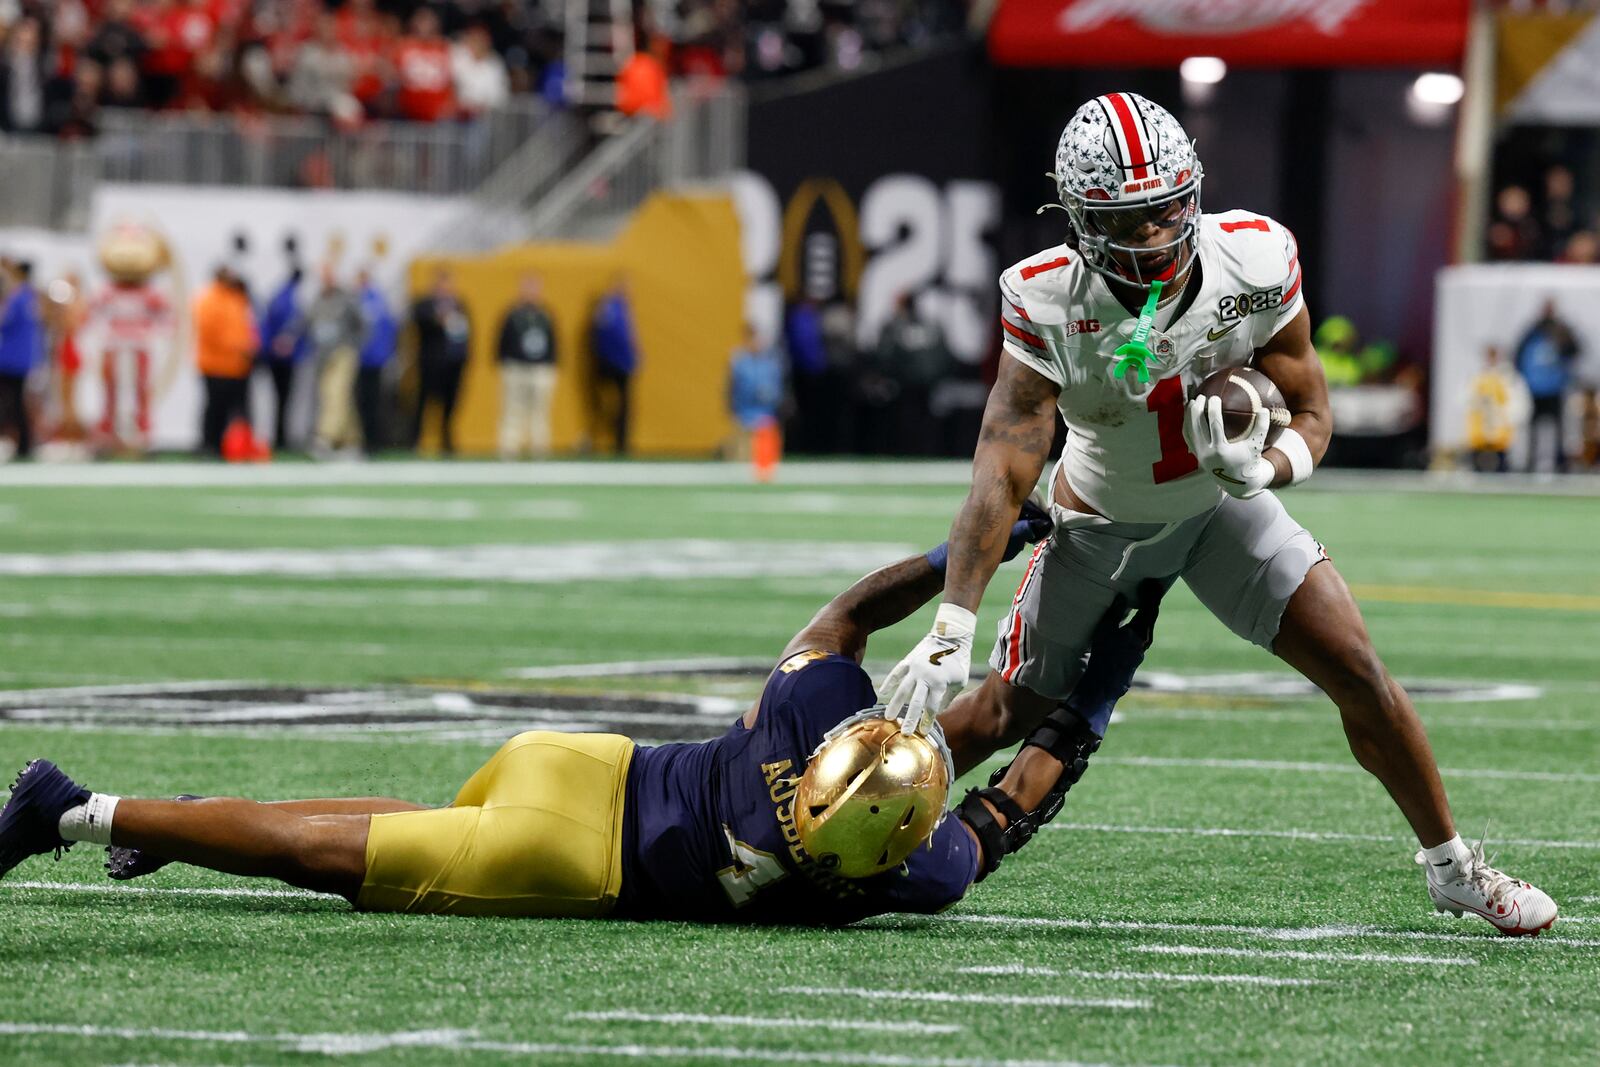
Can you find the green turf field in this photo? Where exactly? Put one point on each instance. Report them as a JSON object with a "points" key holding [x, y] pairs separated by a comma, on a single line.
{"points": [[1224, 887]]}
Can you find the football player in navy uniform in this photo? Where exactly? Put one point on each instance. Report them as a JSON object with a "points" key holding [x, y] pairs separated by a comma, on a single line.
{"points": [[812, 808]]}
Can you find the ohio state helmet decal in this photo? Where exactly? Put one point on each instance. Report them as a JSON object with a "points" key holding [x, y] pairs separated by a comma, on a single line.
{"points": [[1122, 147], [1122, 153]]}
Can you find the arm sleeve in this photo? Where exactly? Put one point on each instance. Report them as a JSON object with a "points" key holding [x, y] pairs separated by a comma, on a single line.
{"points": [[1020, 338], [938, 873]]}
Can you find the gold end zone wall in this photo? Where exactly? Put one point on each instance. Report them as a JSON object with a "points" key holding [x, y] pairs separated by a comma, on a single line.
{"points": [[680, 256]]}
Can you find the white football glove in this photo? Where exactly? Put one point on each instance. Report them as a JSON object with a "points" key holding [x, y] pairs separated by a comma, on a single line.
{"points": [[1238, 466], [922, 684]]}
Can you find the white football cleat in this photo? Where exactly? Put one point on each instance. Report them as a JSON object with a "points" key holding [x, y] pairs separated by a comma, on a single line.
{"points": [[1515, 908]]}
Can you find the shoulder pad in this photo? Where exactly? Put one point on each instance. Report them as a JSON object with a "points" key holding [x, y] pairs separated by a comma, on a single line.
{"points": [[1259, 250]]}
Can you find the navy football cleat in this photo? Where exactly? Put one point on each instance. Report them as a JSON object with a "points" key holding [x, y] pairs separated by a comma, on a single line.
{"points": [[125, 863], [28, 822]]}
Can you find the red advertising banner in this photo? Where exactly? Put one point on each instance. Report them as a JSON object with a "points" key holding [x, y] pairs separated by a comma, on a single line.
{"points": [[1252, 33]]}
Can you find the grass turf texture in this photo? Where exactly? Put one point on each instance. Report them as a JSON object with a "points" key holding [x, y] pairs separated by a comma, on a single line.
{"points": [[1457, 586]]}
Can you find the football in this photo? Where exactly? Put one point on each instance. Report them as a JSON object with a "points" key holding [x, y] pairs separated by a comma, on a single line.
{"points": [[1245, 391]]}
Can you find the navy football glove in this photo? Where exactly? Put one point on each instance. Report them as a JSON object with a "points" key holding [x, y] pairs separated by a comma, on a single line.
{"points": [[1032, 526]]}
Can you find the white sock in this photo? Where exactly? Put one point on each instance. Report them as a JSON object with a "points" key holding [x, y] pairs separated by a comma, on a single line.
{"points": [[89, 822], [1447, 862]]}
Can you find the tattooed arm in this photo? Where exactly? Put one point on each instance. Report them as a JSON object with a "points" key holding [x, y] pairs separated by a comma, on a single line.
{"points": [[1019, 424], [881, 599]]}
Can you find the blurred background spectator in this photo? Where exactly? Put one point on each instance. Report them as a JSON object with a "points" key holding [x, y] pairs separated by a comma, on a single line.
{"points": [[377, 353], [1498, 409], [225, 345], [615, 351], [283, 347], [337, 330], [915, 347], [63, 60], [755, 392], [1545, 357], [527, 358], [442, 332], [21, 350]]}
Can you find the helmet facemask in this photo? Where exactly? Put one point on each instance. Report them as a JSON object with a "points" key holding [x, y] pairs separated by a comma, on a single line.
{"points": [[1103, 230]]}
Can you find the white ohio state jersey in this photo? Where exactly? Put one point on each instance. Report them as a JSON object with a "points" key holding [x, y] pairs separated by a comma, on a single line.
{"points": [[1125, 453]]}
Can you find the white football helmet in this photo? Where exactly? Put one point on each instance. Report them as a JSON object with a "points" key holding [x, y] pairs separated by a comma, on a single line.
{"points": [[1123, 162]]}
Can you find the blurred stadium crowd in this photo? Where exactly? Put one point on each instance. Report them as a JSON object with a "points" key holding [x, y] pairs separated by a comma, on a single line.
{"points": [[353, 60]]}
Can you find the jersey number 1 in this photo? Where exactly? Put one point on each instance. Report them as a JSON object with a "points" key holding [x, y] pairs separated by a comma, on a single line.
{"points": [[1166, 400]]}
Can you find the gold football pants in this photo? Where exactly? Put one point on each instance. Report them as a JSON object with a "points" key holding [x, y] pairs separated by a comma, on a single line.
{"points": [[536, 831]]}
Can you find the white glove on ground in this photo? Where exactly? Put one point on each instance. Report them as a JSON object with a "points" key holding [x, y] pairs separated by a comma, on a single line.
{"points": [[1238, 466], [922, 684]]}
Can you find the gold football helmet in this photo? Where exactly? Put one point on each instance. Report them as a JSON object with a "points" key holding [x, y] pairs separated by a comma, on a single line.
{"points": [[870, 794]]}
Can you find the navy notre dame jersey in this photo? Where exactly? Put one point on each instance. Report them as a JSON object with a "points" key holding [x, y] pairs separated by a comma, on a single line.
{"points": [[708, 829]]}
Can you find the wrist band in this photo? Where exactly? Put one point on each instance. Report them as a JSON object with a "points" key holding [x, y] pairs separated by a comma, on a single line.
{"points": [[938, 557], [1294, 447], [955, 621]]}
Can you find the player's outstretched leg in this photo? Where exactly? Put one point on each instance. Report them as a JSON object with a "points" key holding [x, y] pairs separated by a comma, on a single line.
{"points": [[39, 796], [325, 853], [48, 811], [123, 864], [1323, 636], [994, 716]]}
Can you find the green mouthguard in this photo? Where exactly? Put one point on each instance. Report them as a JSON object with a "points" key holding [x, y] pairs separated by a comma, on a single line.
{"points": [[1136, 352]]}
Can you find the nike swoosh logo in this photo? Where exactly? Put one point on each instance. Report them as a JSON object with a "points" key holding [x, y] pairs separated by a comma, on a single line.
{"points": [[1444, 863], [1512, 915], [1224, 476], [1215, 334], [940, 655]]}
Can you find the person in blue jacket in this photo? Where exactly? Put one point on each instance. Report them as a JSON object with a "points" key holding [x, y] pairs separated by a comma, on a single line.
{"points": [[1545, 358], [283, 347], [383, 334], [21, 350], [616, 357]]}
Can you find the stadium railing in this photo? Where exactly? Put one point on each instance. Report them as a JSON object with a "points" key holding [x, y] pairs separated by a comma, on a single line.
{"points": [[297, 151], [703, 142], [48, 184]]}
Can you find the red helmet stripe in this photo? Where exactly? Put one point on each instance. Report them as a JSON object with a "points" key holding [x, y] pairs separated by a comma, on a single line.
{"points": [[1132, 135]]}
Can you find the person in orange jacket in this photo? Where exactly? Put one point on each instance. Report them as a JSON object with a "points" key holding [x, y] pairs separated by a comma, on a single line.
{"points": [[642, 83], [225, 344]]}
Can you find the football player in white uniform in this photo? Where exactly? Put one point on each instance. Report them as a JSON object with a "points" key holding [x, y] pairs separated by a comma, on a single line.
{"points": [[1149, 488]]}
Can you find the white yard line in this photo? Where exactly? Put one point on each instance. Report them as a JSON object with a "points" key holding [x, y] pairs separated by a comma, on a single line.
{"points": [[1297, 954], [940, 997], [679, 559], [1316, 836], [1352, 767], [456, 474], [119, 889], [768, 1022], [459, 1041], [637, 667], [344, 508], [1142, 976], [325, 1044], [1275, 933], [1433, 720]]}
